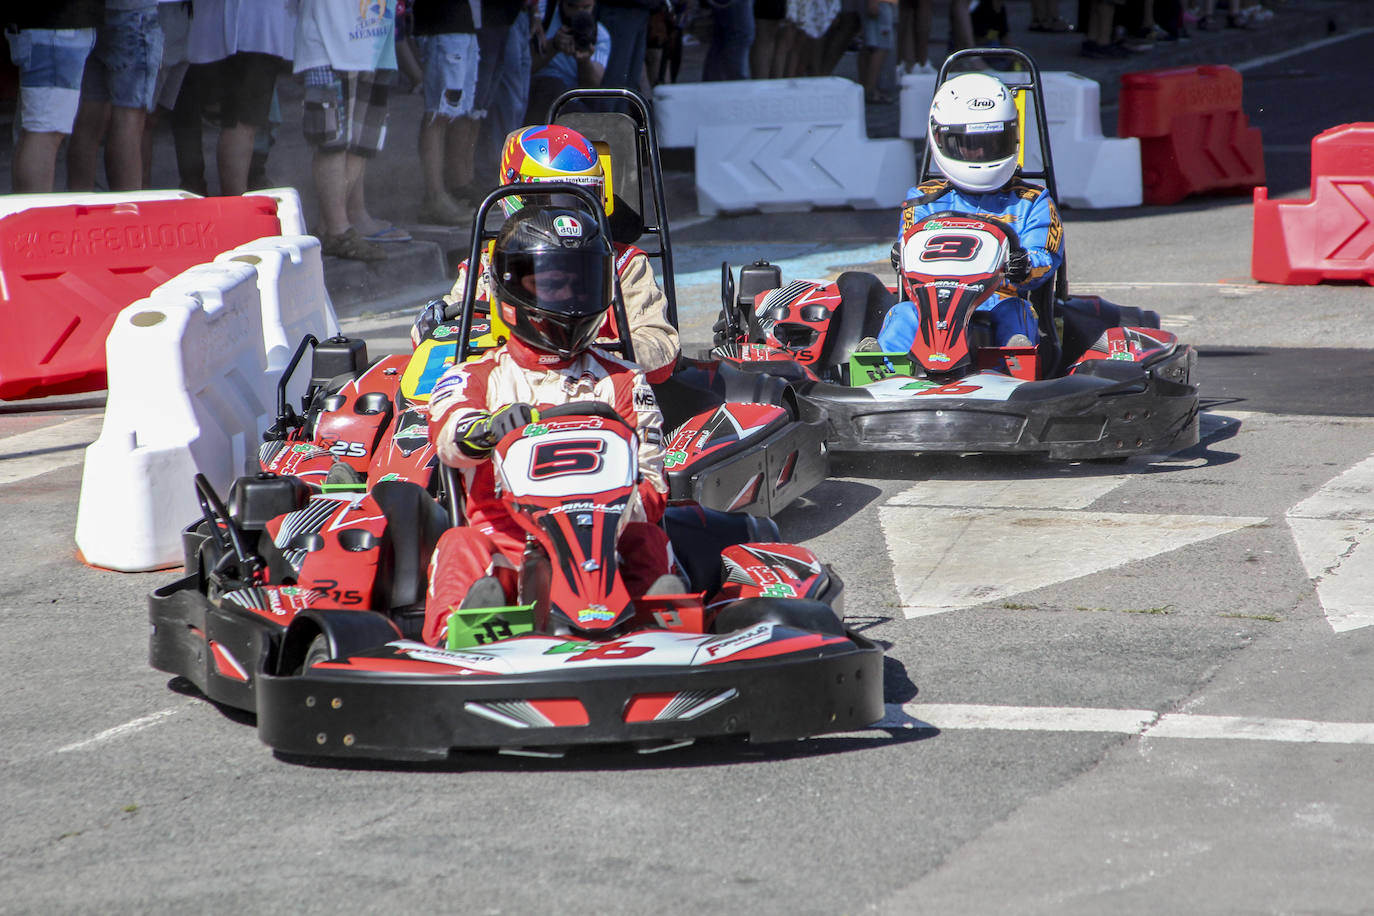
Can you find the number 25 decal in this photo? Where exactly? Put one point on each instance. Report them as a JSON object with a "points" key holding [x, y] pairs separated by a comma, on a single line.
{"points": [[951, 247], [569, 456]]}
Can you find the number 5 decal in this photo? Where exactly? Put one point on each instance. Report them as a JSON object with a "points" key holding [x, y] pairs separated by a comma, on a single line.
{"points": [[568, 456]]}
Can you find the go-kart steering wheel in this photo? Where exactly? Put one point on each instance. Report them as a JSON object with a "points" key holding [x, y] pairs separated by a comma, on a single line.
{"points": [[1013, 240], [583, 409]]}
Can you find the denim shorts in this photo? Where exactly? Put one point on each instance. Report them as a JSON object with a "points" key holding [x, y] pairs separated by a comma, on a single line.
{"points": [[123, 67], [878, 32], [450, 62], [50, 63]]}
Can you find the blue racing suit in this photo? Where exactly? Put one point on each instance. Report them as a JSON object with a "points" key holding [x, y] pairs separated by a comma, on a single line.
{"points": [[1029, 211]]}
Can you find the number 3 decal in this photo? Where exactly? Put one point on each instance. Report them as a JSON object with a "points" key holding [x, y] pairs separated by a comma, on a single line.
{"points": [[569, 456], [951, 247]]}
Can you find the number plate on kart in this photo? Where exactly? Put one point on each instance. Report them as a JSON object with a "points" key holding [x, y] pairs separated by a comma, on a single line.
{"points": [[468, 627], [867, 368]]}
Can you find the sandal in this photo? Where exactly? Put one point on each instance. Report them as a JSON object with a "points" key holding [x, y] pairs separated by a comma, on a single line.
{"points": [[1057, 24], [349, 244], [389, 233]]}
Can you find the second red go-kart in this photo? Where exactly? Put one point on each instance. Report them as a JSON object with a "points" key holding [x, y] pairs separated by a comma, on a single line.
{"points": [[1104, 381]]}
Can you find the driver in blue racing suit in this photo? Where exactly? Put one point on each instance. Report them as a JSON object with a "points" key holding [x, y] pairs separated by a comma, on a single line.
{"points": [[974, 141]]}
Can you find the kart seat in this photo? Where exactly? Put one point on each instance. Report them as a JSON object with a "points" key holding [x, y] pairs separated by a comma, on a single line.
{"points": [[616, 136], [864, 302], [414, 521]]}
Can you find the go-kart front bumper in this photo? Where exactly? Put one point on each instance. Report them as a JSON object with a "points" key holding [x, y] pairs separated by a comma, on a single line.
{"points": [[333, 713], [1125, 411]]}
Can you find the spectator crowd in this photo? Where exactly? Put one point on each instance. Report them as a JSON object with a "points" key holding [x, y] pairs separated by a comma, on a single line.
{"points": [[99, 76]]}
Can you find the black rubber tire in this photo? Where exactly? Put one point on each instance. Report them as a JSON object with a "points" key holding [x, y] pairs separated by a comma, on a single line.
{"points": [[318, 652]]}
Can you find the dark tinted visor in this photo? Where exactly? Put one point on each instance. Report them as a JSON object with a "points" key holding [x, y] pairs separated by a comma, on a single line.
{"points": [[572, 282], [988, 141]]}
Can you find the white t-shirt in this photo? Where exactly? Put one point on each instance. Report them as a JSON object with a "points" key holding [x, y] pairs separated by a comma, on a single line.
{"points": [[348, 36], [221, 28]]}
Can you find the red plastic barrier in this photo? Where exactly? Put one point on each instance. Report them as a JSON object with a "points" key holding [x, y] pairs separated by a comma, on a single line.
{"points": [[1331, 236], [65, 272], [1194, 137]]}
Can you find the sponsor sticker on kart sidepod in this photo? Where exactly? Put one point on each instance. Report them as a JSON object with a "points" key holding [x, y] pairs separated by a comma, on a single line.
{"points": [[536, 653], [983, 386]]}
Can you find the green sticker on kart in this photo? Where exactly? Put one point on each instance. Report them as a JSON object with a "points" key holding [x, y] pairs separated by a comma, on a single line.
{"points": [[867, 368], [471, 627]]}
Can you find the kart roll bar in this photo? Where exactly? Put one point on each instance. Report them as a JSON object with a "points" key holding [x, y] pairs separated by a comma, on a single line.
{"points": [[481, 235], [592, 125], [1025, 78]]}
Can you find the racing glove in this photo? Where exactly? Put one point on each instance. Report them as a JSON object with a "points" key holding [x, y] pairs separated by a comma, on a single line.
{"points": [[430, 317], [1018, 266], [482, 433]]}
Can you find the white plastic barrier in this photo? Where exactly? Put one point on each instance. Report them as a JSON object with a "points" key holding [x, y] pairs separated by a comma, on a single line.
{"points": [[915, 90], [189, 389], [289, 212], [681, 108], [290, 272], [779, 145], [1090, 170], [193, 372]]}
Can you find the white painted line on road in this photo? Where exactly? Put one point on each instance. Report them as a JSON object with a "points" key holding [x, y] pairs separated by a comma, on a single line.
{"points": [[1072, 487], [946, 559], [1334, 533], [119, 731], [1297, 731], [1017, 718], [39, 451], [1143, 723]]}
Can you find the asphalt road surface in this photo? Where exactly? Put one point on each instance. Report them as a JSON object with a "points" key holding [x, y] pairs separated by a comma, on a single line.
{"points": [[1131, 688]]}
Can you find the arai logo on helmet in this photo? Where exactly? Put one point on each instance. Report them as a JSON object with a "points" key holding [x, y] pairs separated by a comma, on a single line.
{"points": [[980, 104], [568, 227], [939, 358]]}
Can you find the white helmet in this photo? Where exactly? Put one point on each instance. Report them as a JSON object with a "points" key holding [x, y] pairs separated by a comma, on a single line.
{"points": [[973, 132]]}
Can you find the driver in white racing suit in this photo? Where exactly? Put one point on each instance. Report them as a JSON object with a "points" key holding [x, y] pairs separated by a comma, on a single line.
{"points": [[551, 272]]}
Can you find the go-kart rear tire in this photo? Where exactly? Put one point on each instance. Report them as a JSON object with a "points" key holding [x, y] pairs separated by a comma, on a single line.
{"points": [[797, 613]]}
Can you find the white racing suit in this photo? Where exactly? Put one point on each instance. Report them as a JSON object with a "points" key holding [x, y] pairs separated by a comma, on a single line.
{"points": [[491, 542]]}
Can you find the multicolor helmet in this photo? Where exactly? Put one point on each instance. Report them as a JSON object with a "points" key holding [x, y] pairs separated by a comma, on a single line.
{"points": [[551, 152]]}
